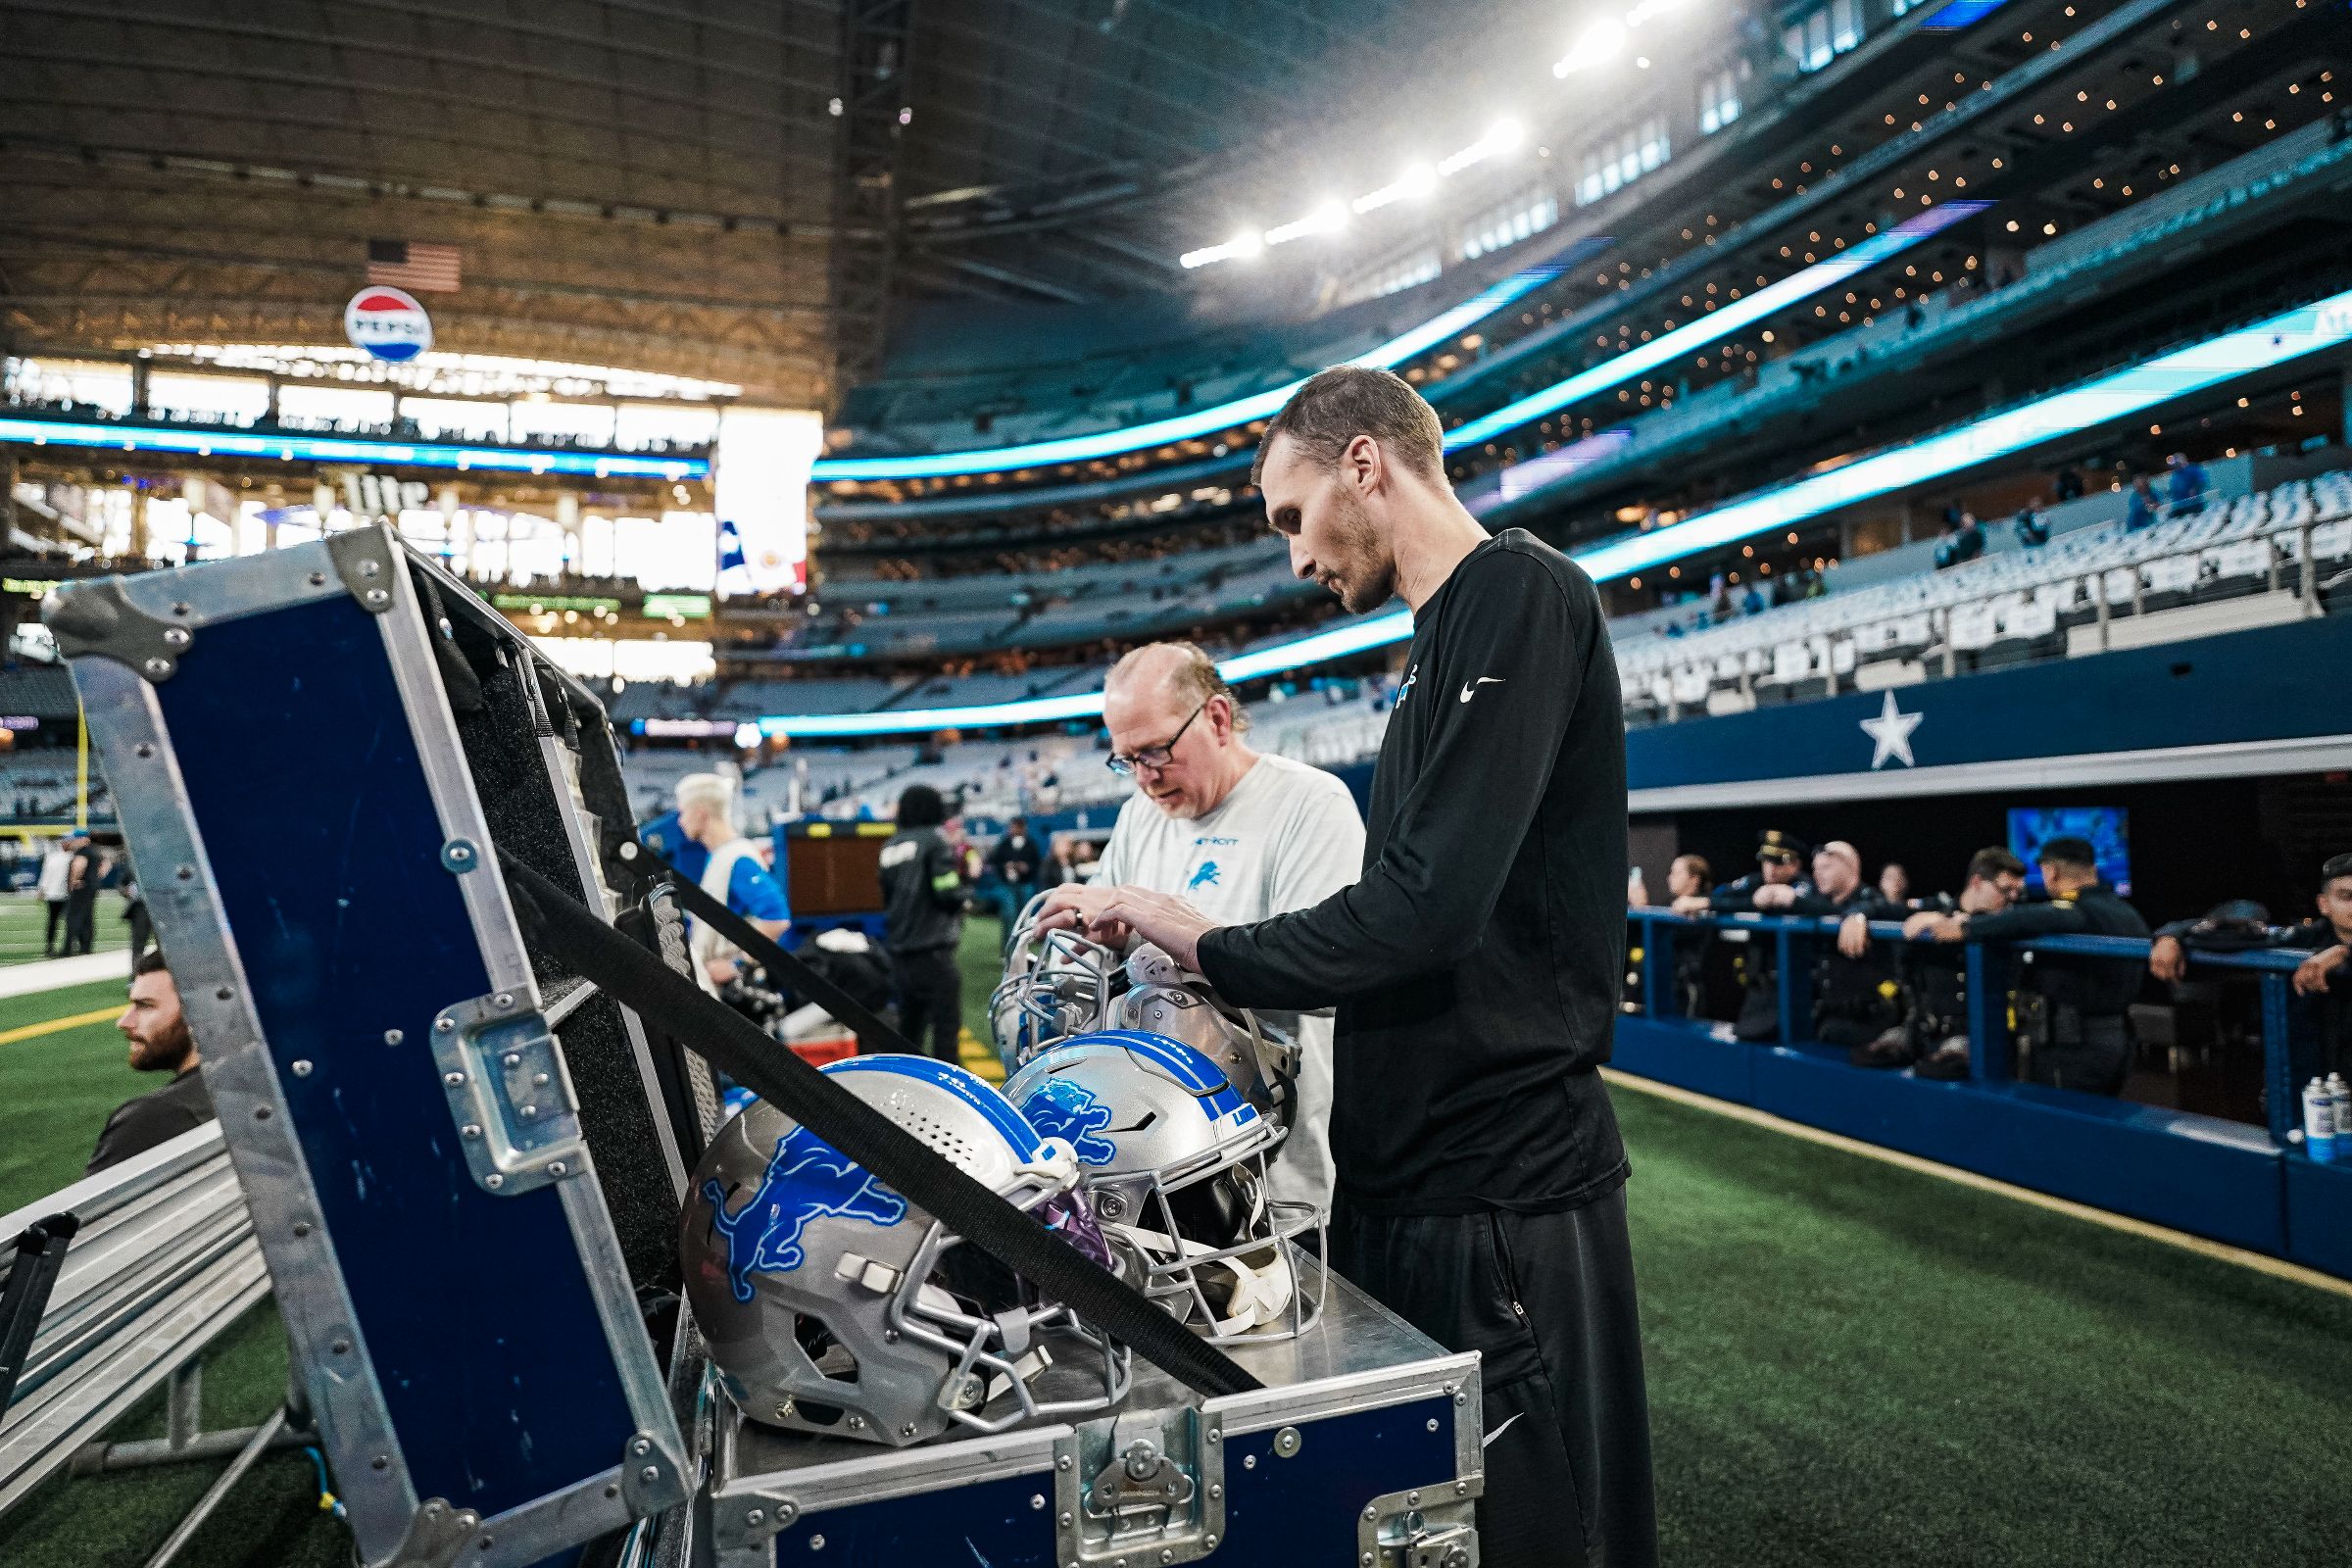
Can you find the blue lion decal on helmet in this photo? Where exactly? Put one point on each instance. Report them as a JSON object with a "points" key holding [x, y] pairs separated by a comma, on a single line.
{"points": [[1063, 1109], [806, 1177]]}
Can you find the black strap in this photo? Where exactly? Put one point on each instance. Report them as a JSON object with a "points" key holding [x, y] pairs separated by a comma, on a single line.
{"points": [[729, 1042], [41, 1249], [795, 970]]}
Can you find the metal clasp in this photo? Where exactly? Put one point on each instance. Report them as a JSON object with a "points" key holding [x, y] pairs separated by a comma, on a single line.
{"points": [[1147, 1487], [1427, 1527], [518, 1119]]}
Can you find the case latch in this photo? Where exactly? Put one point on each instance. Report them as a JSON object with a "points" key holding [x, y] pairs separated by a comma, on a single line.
{"points": [[518, 1119], [1147, 1487], [1429, 1527]]}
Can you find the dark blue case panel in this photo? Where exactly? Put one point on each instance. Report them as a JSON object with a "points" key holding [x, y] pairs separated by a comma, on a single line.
{"points": [[1299, 1512], [323, 837]]}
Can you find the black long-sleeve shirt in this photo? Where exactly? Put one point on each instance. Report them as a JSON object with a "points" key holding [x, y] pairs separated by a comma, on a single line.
{"points": [[2098, 988], [1476, 963], [922, 892], [157, 1117]]}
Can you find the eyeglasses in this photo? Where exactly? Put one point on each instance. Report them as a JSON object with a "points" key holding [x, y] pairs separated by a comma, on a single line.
{"points": [[1151, 756]]}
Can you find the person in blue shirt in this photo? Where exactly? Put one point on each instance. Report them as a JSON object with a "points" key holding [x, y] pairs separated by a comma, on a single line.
{"points": [[701, 840], [2139, 505], [2186, 488]]}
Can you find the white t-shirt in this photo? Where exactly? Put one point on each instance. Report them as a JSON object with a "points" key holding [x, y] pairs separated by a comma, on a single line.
{"points": [[57, 869], [1285, 837]]}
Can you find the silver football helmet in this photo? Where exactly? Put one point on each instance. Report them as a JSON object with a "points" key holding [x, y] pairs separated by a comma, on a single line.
{"points": [[1175, 1162], [1162, 997], [1056, 984], [833, 1305]]}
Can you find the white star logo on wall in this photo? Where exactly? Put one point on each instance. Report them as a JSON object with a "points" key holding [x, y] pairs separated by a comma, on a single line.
{"points": [[1890, 733]]}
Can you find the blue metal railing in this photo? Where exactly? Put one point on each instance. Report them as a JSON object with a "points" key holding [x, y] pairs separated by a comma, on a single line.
{"points": [[2250, 1186], [2290, 1044]]}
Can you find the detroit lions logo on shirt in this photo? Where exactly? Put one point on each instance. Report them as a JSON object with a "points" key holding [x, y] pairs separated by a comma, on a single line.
{"points": [[1204, 877], [1063, 1109], [806, 1177]]}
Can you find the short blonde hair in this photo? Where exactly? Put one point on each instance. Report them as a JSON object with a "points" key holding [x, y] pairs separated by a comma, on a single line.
{"points": [[1193, 679]]}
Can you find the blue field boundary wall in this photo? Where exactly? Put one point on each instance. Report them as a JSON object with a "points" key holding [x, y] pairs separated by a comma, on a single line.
{"points": [[2247, 1186]]}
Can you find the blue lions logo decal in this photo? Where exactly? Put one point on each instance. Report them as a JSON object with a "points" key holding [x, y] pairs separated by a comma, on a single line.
{"points": [[1204, 877], [1063, 1109], [806, 1177]]}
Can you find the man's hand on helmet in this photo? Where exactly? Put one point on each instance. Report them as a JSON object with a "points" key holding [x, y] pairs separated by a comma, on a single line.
{"points": [[1110, 915]]}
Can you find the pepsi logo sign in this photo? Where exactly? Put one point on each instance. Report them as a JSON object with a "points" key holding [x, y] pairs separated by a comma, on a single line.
{"points": [[387, 323]]}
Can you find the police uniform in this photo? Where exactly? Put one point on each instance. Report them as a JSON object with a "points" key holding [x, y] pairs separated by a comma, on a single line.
{"points": [[2242, 926], [1758, 966], [1934, 977], [2081, 1041], [1853, 998]]}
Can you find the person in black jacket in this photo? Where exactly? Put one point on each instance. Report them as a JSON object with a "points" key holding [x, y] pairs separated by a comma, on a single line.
{"points": [[1773, 887], [160, 1042], [2241, 927], [923, 901], [1933, 1038], [1475, 964], [1855, 994], [2080, 1039]]}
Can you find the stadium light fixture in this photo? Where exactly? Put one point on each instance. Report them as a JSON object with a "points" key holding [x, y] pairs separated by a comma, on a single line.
{"points": [[1716, 324], [1503, 136], [1327, 218], [1186, 426], [2121, 394], [1597, 44]]}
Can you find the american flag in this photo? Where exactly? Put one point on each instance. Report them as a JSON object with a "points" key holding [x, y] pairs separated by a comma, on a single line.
{"points": [[419, 269]]}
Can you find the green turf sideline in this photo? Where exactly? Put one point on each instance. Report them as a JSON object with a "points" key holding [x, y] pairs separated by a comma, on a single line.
{"points": [[57, 1090], [24, 920]]}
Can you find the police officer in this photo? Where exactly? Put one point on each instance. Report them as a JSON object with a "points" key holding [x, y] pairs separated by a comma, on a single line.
{"points": [[1855, 996], [923, 901], [2240, 926], [2081, 1041], [1933, 1040], [1772, 888]]}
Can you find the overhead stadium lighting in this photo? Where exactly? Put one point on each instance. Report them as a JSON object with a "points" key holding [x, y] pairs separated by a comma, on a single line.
{"points": [[1598, 44], [1503, 136], [1716, 324], [344, 449], [1419, 180], [1184, 427], [2121, 394], [1328, 218]]}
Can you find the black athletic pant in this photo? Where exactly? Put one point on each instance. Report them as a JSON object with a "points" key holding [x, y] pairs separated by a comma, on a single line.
{"points": [[1548, 1300], [82, 922], [930, 987], [57, 927]]}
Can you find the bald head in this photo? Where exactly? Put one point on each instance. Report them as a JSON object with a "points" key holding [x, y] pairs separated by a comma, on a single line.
{"points": [[1837, 868]]}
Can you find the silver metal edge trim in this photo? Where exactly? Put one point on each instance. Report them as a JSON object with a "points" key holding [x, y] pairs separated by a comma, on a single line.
{"points": [[355, 1425], [887, 1473], [214, 593], [551, 1524], [1260, 1408], [451, 784]]}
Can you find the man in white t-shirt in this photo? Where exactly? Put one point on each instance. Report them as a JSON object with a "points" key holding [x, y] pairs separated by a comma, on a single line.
{"points": [[1242, 836]]}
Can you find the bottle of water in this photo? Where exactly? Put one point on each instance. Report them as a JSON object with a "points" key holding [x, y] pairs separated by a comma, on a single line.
{"points": [[2318, 1122]]}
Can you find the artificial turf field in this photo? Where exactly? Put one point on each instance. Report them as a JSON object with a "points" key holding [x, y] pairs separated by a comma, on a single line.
{"points": [[1849, 1363], [24, 920]]}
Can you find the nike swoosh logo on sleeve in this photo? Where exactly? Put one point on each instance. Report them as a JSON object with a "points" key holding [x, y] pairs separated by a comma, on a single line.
{"points": [[1470, 687]]}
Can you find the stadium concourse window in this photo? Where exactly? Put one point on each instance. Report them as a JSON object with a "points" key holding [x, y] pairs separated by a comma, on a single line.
{"points": [[1531, 212], [1619, 164], [1719, 99], [1820, 35]]}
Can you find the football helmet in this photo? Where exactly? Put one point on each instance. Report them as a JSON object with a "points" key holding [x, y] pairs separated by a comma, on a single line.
{"points": [[1160, 998], [1056, 984], [834, 1305], [1175, 1162]]}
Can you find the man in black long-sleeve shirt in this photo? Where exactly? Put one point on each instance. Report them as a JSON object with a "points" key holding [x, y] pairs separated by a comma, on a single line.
{"points": [[2083, 1042], [1475, 967], [922, 920]]}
